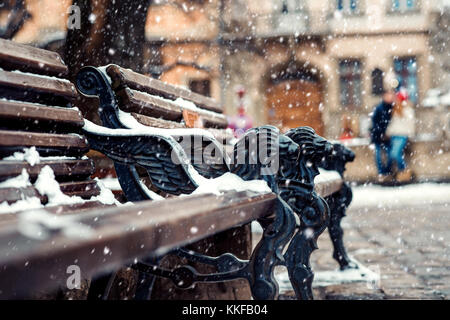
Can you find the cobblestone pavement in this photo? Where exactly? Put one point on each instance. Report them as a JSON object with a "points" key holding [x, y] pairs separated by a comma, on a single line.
{"points": [[408, 246]]}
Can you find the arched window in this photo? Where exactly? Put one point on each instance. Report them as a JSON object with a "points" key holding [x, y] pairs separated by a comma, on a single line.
{"points": [[202, 86], [377, 82]]}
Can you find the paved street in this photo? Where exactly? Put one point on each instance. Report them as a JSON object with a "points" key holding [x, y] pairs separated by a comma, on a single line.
{"points": [[408, 246]]}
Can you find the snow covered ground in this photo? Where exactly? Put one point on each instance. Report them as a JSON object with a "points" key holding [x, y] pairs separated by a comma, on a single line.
{"points": [[332, 277], [380, 197], [389, 197], [413, 194]]}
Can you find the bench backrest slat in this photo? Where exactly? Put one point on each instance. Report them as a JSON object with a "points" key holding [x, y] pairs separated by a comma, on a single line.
{"points": [[140, 82], [15, 56], [34, 117], [47, 143], [63, 169], [32, 88], [135, 101]]}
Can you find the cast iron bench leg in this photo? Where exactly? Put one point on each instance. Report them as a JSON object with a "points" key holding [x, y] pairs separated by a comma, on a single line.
{"points": [[314, 220], [145, 283], [268, 253], [338, 203]]}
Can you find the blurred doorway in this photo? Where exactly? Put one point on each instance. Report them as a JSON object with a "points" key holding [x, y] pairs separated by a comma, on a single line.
{"points": [[294, 98]]}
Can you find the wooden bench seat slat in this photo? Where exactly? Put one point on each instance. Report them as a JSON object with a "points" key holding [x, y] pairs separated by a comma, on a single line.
{"points": [[19, 86], [63, 169], [28, 112], [138, 81], [121, 234], [26, 58], [327, 188], [50, 144], [61, 210]]}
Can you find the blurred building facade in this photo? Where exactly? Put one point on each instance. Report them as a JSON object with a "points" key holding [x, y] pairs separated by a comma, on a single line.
{"points": [[312, 62], [302, 62]]}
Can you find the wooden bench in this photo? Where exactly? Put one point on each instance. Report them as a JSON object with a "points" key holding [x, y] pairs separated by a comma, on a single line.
{"points": [[37, 245], [40, 141], [155, 104], [36, 115]]}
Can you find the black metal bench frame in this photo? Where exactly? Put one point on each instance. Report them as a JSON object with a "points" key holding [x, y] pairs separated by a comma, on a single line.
{"points": [[301, 152]]}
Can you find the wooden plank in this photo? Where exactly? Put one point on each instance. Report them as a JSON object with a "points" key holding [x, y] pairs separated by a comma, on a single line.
{"points": [[136, 81], [327, 188], [14, 110], [61, 210], [210, 120], [83, 189], [63, 169], [34, 84], [152, 106], [221, 135], [12, 195], [59, 144], [138, 102], [116, 236], [157, 122], [30, 59]]}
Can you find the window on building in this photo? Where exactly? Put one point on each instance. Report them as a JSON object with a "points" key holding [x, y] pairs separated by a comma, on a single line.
{"points": [[404, 5], [348, 6], [377, 82], [350, 82], [290, 6], [202, 86], [406, 71]]}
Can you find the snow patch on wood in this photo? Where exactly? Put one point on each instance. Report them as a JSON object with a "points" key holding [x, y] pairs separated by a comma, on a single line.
{"points": [[29, 155], [46, 185], [230, 182], [21, 181]]}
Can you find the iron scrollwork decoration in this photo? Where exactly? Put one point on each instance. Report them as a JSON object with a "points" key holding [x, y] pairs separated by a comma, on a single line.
{"points": [[300, 151]]}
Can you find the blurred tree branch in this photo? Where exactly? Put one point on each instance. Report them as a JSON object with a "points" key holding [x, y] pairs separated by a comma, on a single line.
{"points": [[111, 32], [16, 18]]}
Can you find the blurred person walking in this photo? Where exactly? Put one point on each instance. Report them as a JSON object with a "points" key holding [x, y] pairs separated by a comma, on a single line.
{"points": [[380, 121], [400, 128]]}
